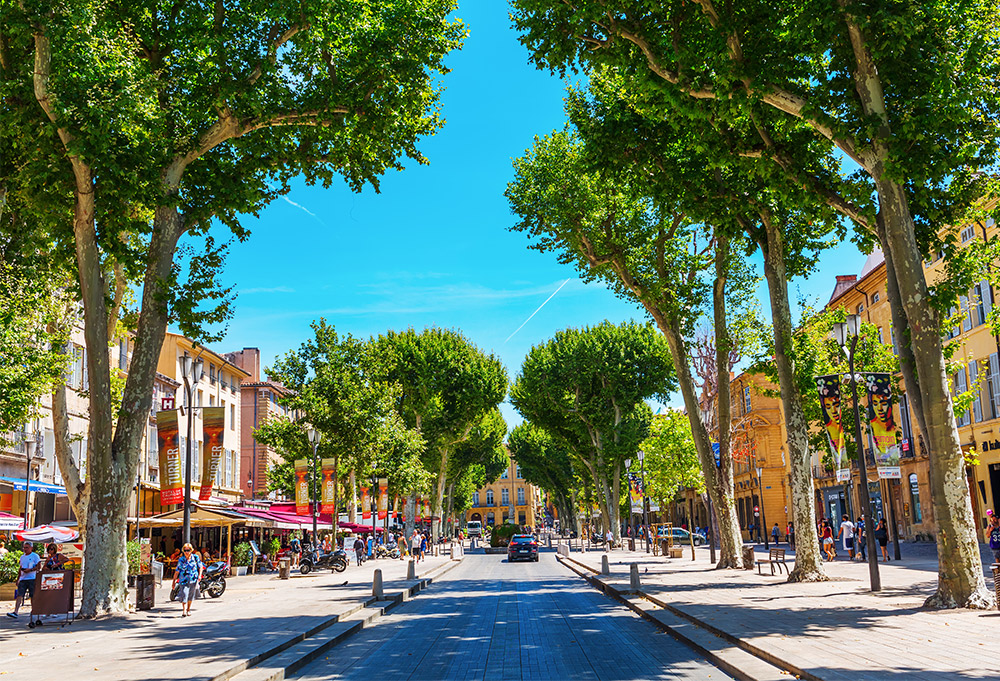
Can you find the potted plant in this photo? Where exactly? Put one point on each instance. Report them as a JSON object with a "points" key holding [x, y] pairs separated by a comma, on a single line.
{"points": [[132, 554], [10, 568], [242, 558]]}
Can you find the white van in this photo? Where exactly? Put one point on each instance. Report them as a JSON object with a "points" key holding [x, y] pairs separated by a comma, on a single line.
{"points": [[474, 528]]}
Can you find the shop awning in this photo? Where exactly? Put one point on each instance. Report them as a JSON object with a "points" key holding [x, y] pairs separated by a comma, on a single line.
{"points": [[21, 484], [280, 521], [201, 516], [11, 522]]}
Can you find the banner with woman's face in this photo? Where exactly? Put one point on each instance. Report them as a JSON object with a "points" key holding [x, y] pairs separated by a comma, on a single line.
{"points": [[883, 424], [829, 402]]}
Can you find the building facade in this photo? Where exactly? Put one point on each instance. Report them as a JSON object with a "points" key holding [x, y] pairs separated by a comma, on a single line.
{"points": [[509, 498], [259, 400]]}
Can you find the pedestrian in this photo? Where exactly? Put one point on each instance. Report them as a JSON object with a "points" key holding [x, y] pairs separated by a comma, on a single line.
{"points": [[370, 541], [750, 530], [25, 577], [994, 534], [415, 542], [882, 537], [186, 578], [775, 534], [54, 559], [846, 533], [327, 544], [423, 546], [296, 546], [359, 549], [3, 548], [829, 546], [401, 545], [609, 539], [790, 533], [861, 539]]}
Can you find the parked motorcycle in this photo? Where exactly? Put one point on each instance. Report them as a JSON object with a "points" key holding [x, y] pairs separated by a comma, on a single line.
{"points": [[213, 581], [335, 560], [382, 551]]}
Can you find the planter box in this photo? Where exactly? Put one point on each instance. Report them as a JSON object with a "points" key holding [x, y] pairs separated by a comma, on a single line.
{"points": [[7, 591], [239, 570]]}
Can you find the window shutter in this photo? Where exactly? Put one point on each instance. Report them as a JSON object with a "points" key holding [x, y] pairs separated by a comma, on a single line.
{"points": [[977, 403], [994, 385], [987, 296], [967, 313]]}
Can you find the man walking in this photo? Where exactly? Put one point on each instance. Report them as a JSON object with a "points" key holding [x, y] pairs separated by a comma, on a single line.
{"points": [[846, 533], [775, 534], [359, 549], [25, 577]]}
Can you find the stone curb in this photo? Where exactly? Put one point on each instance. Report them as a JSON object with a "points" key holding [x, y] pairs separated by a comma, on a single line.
{"points": [[250, 667], [622, 595]]}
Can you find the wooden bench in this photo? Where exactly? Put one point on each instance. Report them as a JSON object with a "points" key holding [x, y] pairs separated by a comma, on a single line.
{"points": [[775, 557], [676, 552]]}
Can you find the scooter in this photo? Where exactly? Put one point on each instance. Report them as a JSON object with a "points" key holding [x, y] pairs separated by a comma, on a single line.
{"points": [[213, 581], [336, 561]]}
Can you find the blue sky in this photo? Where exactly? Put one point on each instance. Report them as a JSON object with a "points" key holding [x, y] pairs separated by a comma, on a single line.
{"points": [[433, 249]]}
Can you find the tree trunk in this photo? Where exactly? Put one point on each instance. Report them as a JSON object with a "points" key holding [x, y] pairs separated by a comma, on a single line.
{"points": [[336, 511], [411, 511], [438, 508], [808, 563], [77, 490], [960, 570], [352, 509], [449, 526], [615, 503]]}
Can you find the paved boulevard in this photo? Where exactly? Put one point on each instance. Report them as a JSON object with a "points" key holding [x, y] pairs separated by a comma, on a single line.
{"points": [[488, 619]]}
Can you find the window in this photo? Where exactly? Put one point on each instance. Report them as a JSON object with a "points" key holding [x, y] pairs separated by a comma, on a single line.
{"points": [[123, 354], [951, 331], [489, 498], [746, 399], [211, 374], [963, 303], [520, 496], [918, 517], [876, 297], [960, 386], [982, 301], [881, 336], [475, 499], [892, 339], [232, 417], [184, 398], [861, 308], [518, 473], [503, 476], [211, 400], [229, 469], [491, 518], [505, 496], [222, 380], [234, 385], [968, 232], [198, 399], [977, 403]]}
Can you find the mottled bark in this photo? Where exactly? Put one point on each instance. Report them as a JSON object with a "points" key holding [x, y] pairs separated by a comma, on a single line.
{"points": [[77, 490], [808, 563]]}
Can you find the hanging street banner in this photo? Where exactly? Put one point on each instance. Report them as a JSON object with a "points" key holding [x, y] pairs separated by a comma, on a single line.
{"points": [[301, 487], [635, 492], [829, 402], [885, 435], [213, 423], [366, 504], [383, 498], [171, 479], [427, 510], [328, 491]]}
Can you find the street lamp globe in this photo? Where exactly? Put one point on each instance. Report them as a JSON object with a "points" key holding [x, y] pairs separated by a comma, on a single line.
{"points": [[628, 464], [196, 370], [853, 324], [314, 436], [185, 363], [642, 455]]}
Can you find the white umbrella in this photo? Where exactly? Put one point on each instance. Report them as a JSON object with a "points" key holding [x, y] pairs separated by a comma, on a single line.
{"points": [[48, 533]]}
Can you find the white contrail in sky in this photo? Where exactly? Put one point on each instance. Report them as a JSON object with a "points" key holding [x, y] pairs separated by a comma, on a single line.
{"points": [[536, 311]]}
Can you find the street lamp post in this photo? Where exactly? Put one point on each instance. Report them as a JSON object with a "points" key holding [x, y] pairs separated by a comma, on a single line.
{"points": [[191, 370], [314, 437], [847, 334], [763, 516], [645, 504]]}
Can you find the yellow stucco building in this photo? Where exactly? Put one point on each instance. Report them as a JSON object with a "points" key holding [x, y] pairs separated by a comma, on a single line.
{"points": [[493, 503]]}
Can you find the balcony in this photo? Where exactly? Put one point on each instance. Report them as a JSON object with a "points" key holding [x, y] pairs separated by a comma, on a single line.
{"points": [[822, 473]]}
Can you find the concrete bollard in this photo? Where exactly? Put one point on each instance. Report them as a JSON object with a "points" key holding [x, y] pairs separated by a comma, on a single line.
{"points": [[633, 576], [377, 591], [411, 570], [605, 567]]}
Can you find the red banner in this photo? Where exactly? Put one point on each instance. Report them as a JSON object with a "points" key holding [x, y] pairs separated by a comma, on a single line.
{"points": [[213, 423], [366, 504], [171, 477], [329, 490], [301, 487], [383, 499]]}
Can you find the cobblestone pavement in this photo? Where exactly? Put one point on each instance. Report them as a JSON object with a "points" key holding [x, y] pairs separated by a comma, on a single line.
{"points": [[493, 620]]}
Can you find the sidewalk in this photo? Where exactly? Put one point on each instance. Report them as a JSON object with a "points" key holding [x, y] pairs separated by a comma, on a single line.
{"points": [[834, 630], [254, 614]]}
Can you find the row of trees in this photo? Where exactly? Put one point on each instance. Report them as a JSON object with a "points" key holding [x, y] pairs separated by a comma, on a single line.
{"points": [[420, 409], [708, 131], [128, 130]]}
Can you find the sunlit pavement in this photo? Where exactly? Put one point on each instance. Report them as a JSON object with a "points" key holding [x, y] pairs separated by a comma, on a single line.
{"points": [[489, 619]]}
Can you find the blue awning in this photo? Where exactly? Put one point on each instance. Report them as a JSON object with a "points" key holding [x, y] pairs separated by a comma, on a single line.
{"points": [[35, 485]]}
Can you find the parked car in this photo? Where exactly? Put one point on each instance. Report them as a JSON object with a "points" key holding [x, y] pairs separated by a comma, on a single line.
{"points": [[682, 536], [522, 546]]}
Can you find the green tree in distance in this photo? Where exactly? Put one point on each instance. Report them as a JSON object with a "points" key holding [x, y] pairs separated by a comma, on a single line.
{"points": [[548, 465], [587, 389]]}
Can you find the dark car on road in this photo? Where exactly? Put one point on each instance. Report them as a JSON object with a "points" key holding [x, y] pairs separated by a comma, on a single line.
{"points": [[522, 546]]}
